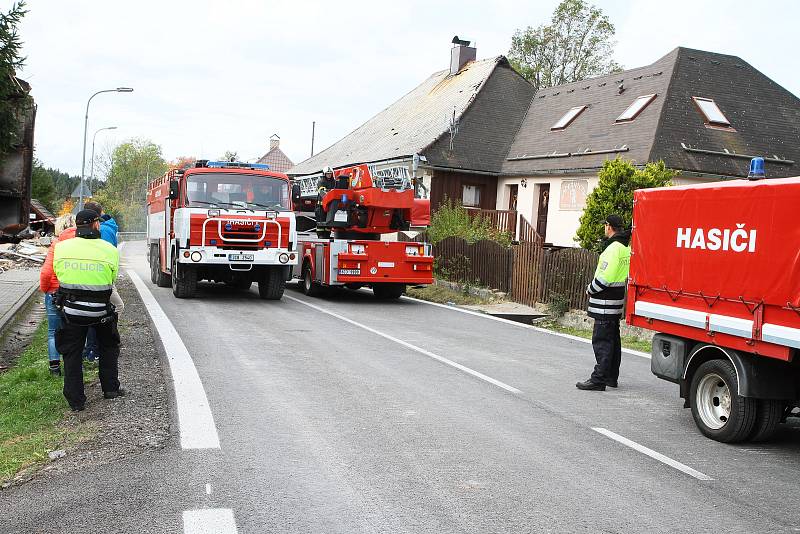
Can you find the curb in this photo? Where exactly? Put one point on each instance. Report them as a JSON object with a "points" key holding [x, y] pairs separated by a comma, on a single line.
{"points": [[9, 318]]}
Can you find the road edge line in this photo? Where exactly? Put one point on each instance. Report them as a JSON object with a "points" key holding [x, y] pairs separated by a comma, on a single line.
{"points": [[209, 521]]}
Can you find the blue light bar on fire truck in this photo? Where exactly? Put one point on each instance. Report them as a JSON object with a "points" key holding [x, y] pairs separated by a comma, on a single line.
{"points": [[237, 165]]}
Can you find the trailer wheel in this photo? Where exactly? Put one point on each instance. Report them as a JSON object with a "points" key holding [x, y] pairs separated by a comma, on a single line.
{"points": [[718, 410], [184, 279], [156, 275], [388, 291], [271, 283], [310, 287], [768, 415]]}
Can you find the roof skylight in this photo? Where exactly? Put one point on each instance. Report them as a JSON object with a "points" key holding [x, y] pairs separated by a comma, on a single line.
{"points": [[635, 108], [568, 117], [711, 111]]}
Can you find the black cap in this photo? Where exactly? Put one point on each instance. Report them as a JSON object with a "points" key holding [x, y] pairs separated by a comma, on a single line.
{"points": [[615, 221], [85, 217]]}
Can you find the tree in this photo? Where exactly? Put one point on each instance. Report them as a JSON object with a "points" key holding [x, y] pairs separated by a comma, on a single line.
{"points": [[230, 155], [130, 166], [182, 162], [577, 44], [43, 187], [12, 95], [614, 194]]}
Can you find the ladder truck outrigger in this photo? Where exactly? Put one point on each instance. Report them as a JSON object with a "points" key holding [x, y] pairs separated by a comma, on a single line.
{"points": [[340, 242], [221, 221]]}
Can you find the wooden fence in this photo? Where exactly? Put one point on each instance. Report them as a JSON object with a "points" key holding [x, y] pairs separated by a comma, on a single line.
{"points": [[529, 272], [504, 220]]}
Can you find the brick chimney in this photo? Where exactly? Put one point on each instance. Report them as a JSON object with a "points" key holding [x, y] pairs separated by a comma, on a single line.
{"points": [[274, 141], [461, 54]]}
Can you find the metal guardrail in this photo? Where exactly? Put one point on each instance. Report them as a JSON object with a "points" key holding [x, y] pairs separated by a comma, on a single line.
{"points": [[130, 236]]}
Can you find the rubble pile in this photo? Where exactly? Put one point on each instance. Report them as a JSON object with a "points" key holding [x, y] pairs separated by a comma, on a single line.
{"points": [[28, 254]]}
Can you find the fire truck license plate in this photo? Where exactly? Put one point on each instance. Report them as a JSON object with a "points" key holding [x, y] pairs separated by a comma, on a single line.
{"points": [[350, 272], [240, 257]]}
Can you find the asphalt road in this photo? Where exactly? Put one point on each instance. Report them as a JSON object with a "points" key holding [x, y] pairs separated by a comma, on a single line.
{"points": [[347, 414]]}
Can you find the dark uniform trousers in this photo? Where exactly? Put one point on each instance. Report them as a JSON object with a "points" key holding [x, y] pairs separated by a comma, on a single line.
{"points": [[70, 340], [607, 351]]}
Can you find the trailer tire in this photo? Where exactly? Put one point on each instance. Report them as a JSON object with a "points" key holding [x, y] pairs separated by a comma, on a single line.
{"points": [[184, 279], [157, 276], [310, 287], [768, 416], [388, 291], [718, 410], [271, 283]]}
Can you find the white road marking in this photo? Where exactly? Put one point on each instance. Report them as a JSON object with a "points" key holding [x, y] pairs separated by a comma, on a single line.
{"points": [[653, 454], [410, 346], [520, 325], [208, 489], [194, 414], [209, 521]]}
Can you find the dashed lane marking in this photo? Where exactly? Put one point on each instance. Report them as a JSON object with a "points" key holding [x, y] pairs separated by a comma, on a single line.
{"points": [[653, 454], [197, 427], [209, 521], [519, 325], [408, 345]]}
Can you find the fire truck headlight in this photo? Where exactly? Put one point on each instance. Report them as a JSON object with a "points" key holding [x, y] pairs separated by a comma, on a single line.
{"points": [[213, 213], [196, 256], [283, 258]]}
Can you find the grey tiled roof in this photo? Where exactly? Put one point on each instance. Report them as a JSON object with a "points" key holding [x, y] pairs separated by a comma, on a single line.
{"points": [[277, 160], [410, 124]]}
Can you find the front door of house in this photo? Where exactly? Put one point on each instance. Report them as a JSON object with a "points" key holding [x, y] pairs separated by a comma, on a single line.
{"points": [[513, 191], [544, 201]]}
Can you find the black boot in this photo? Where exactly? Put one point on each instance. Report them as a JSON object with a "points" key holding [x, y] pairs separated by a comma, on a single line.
{"points": [[55, 368], [590, 386]]}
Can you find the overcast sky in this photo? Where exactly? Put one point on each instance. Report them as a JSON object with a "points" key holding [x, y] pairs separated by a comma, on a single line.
{"points": [[211, 76]]}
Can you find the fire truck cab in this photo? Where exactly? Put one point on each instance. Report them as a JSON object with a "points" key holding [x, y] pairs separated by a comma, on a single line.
{"points": [[225, 222]]}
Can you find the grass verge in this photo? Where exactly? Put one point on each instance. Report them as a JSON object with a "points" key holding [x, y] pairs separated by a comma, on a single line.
{"points": [[31, 409], [629, 342], [444, 295]]}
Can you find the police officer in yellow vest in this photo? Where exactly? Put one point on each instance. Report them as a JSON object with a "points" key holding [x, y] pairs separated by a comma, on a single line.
{"points": [[86, 268], [606, 302]]}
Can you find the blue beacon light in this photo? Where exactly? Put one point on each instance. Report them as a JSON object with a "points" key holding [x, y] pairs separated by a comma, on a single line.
{"points": [[756, 169]]}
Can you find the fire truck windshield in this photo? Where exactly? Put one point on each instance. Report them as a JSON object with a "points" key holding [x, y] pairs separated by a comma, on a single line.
{"points": [[237, 190]]}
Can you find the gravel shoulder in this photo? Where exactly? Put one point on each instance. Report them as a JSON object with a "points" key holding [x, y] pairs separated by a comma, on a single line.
{"points": [[112, 430]]}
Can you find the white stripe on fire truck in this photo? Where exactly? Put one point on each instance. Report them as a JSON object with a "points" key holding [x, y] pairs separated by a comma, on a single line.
{"points": [[408, 345]]}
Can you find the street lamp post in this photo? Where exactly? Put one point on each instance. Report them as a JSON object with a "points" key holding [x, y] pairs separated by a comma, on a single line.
{"points": [[91, 165], [85, 126]]}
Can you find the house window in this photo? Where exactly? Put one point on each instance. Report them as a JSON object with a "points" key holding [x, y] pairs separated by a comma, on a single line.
{"points": [[711, 112], [471, 195], [635, 108], [568, 117]]}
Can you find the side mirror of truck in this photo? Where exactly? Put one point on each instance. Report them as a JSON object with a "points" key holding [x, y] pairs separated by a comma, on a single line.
{"points": [[296, 193], [174, 191]]}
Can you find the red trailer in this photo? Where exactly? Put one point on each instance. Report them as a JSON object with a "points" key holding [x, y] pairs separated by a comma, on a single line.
{"points": [[715, 269]]}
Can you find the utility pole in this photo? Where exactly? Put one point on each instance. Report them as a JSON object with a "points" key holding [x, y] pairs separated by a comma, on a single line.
{"points": [[313, 128]]}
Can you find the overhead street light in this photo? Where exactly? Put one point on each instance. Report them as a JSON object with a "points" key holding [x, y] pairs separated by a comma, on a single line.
{"points": [[85, 126], [91, 165]]}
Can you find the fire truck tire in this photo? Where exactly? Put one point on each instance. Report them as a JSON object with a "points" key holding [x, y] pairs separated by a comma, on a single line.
{"points": [[157, 276], [718, 410], [768, 416], [309, 286], [184, 279], [388, 291], [271, 284]]}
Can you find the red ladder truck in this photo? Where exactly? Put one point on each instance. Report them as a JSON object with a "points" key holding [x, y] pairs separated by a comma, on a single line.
{"points": [[348, 251], [225, 222], [715, 269]]}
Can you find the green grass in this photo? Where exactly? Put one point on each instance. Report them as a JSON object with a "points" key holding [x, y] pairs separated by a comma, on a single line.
{"points": [[31, 407], [629, 342], [443, 295]]}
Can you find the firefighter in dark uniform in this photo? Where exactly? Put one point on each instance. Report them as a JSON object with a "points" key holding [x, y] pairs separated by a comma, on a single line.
{"points": [[86, 268], [606, 302], [325, 184]]}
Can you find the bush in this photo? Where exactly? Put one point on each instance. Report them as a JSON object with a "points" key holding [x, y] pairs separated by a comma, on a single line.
{"points": [[451, 219], [557, 304]]}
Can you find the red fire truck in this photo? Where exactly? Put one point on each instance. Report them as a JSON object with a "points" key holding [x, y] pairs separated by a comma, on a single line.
{"points": [[715, 269], [224, 222], [340, 242]]}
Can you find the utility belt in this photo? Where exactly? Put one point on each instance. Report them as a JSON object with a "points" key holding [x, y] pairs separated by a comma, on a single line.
{"points": [[82, 311]]}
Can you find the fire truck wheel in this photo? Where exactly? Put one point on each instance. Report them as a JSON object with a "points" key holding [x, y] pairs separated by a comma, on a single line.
{"points": [[156, 275], [310, 287], [271, 284], [184, 279], [718, 410], [388, 291], [768, 416]]}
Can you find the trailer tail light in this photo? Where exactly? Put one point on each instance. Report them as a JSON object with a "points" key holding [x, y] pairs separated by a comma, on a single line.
{"points": [[414, 250], [283, 258], [357, 249], [185, 253], [422, 266], [196, 256]]}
